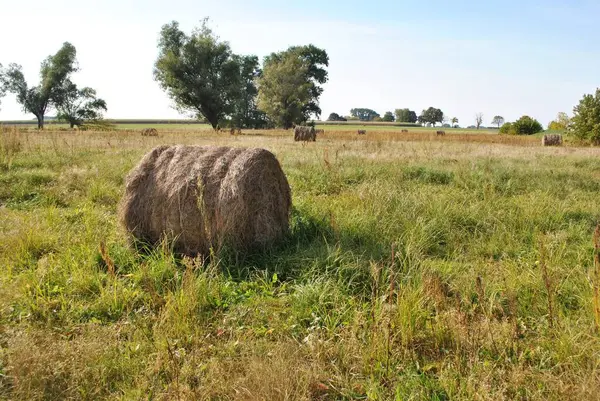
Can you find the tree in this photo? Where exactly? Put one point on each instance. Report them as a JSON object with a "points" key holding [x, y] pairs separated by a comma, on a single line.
{"points": [[561, 123], [431, 116], [246, 113], [364, 114], [76, 106], [498, 120], [507, 128], [585, 123], [284, 91], [198, 72], [55, 70], [289, 88], [2, 89], [388, 117], [454, 122], [314, 60], [336, 117], [405, 116], [526, 126], [478, 120]]}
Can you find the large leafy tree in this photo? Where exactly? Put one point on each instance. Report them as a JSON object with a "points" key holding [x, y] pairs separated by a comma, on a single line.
{"points": [[526, 126], [498, 120], [585, 123], [405, 116], [199, 72], [431, 116], [284, 91], [75, 106], [54, 72], [313, 62], [388, 117], [364, 114]]}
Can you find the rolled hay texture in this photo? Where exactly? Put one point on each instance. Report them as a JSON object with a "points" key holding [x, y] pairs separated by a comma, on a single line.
{"points": [[552, 140], [362, 132], [203, 197], [149, 132], [305, 134]]}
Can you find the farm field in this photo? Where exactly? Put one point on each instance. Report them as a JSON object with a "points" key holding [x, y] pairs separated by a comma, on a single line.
{"points": [[418, 268]]}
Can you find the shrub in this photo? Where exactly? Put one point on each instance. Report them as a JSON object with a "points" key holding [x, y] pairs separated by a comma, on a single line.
{"points": [[585, 124], [506, 128], [526, 126]]}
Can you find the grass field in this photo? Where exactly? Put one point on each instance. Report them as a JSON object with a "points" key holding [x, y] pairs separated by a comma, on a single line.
{"points": [[418, 268]]}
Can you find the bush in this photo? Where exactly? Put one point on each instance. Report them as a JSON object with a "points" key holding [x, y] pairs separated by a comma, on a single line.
{"points": [[585, 124], [526, 126], [506, 129]]}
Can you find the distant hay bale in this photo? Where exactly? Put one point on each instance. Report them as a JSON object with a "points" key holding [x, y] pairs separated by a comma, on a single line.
{"points": [[203, 197], [552, 140], [362, 132], [149, 132], [306, 134], [440, 133], [404, 131]]}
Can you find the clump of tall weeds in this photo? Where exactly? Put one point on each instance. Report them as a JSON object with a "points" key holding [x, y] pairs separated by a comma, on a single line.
{"points": [[10, 146]]}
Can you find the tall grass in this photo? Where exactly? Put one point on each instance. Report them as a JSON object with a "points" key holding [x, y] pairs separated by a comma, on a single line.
{"points": [[432, 269]]}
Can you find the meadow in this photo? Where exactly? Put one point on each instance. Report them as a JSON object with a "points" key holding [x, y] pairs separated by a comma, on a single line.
{"points": [[417, 268]]}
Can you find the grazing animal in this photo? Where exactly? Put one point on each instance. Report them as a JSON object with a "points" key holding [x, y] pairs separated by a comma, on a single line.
{"points": [[440, 133], [362, 132], [232, 131], [201, 198], [404, 131], [305, 134], [149, 132], [552, 140]]}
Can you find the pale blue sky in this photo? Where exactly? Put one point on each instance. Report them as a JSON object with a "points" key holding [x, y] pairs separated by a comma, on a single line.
{"points": [[497, 57]]}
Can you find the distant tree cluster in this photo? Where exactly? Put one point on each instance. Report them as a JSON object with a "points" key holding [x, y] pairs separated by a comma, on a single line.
{"points": [[523, 126], [405, 116], [203, 76], [56, 90], [364, 114], [431, 116], [585, 123], [336, 117]]}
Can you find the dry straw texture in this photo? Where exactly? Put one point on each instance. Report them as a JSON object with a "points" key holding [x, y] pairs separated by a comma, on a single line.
{"points": [[305, 134], [149, 132], [552, 140], [203, 197]]}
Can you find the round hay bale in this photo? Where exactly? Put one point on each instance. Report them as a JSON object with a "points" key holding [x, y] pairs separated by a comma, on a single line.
{"points": [[552, 140], [203, 197], [149, 132]]}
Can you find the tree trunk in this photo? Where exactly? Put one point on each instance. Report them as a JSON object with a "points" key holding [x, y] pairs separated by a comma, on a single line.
{"points": [[40, 121], [72, 124]]}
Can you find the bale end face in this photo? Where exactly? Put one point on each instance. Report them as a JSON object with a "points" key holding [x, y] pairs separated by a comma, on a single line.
{"points": [[552, 140], [305, 134], [204, 197], [149, 132]]}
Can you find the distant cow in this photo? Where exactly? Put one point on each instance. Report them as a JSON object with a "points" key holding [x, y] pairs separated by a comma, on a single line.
{"points": [[440, 133], [149, 132], [404, 131], [305, 134], [552, 140], [362, 132]]}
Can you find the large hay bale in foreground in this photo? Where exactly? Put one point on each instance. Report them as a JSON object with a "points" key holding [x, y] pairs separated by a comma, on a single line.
{"points": [[149, 132], [552, 140], [305, 134], [203, 197]]}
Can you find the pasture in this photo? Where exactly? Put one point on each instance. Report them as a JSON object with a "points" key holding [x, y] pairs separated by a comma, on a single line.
{"points": [[417, 268]]}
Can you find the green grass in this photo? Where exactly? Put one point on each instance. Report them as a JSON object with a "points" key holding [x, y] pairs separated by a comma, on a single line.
{"points": [[414, 270]]}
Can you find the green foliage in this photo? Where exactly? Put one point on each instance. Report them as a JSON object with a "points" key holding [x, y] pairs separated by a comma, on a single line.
{"points": [[561, 122], [55, 71], [388, 117], [585, 123], [199, 72], [246, 113], [405, 116], [507, 128], [364, 114], [526, 126], [76, 106], [290, 85], [336, 117], [498, 120], [431, 116], [454, 122]]}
